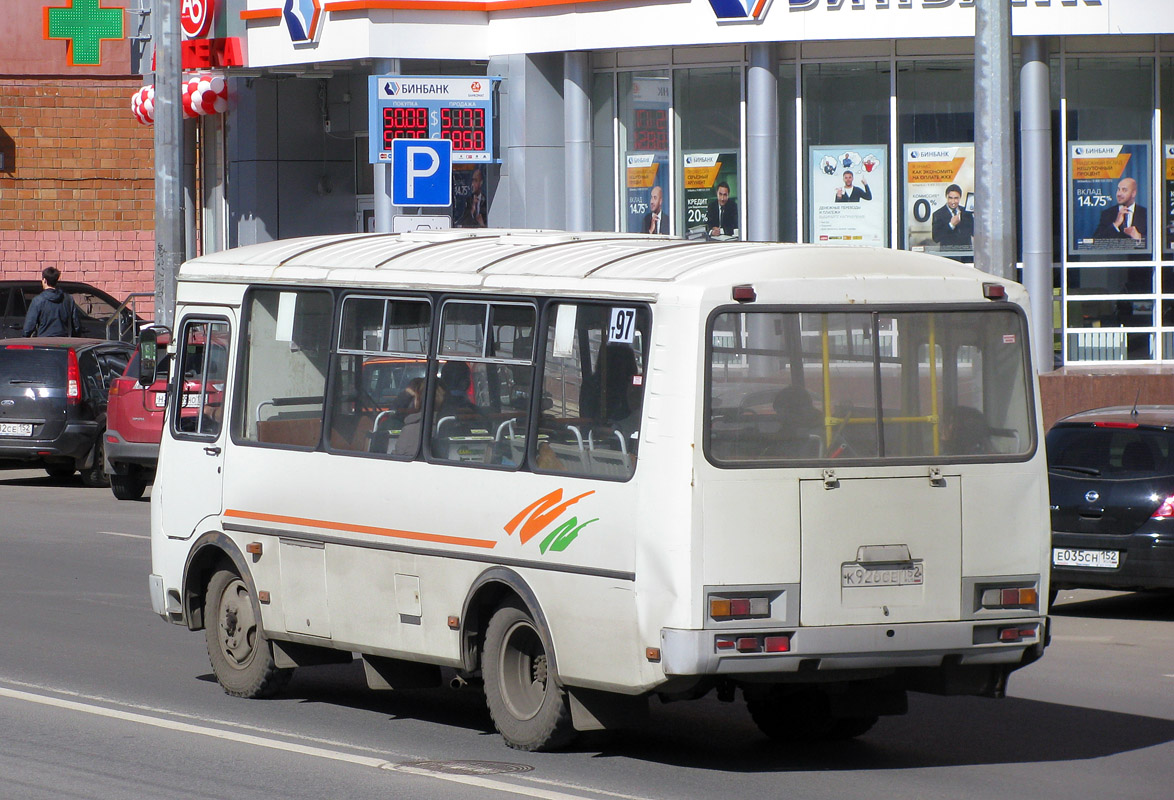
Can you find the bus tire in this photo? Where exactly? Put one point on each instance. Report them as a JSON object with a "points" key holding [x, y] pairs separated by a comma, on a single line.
{"points": [[241, 656], [799, 716], [528, 706]]}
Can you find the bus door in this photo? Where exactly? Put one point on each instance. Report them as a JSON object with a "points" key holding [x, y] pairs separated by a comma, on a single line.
{"points": [[196, 423]]}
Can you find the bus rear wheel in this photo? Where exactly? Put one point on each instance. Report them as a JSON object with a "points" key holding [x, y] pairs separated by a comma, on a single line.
{"points": [[241, 656], [803, 716], [528, 706]]}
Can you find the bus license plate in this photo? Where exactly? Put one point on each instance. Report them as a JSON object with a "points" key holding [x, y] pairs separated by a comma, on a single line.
{"points": [[1073, 557], [16, 429], [855, 575]]}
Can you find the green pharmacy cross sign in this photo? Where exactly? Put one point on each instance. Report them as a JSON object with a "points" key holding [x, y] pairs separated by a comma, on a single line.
{"points": [[85, 24]]}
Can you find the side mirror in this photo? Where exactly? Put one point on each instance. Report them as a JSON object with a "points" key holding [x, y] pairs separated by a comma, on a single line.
{"points": [[153, 342]]}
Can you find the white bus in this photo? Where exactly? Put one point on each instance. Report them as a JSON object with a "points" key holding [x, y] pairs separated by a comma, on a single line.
{"points": [[592, 469]]}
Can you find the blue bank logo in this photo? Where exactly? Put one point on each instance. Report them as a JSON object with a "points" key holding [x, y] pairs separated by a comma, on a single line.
{"points": [[740, 10], [303, 18]]}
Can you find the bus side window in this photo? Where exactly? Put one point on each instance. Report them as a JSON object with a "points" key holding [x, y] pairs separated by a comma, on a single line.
{"points": [[593, 391]]}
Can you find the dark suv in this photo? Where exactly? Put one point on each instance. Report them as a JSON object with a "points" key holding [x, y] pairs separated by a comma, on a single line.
{"points": [[53, 402], [1111, 474], [99, 311]]}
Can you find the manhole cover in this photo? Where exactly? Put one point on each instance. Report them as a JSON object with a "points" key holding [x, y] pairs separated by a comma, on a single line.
{"points": [[466, 767]]}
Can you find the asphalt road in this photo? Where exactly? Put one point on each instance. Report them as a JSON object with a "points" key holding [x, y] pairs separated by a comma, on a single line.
{"points": [[99, 698]]}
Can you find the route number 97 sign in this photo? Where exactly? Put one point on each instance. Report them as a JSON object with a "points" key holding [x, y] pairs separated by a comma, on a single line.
{"points": [[432, 107]]}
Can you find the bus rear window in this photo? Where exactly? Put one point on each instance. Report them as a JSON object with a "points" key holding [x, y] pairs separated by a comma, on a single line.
{"points": [[918, 384]]}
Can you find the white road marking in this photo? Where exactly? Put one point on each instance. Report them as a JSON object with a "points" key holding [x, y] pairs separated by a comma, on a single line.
{"points": [[127, 535], [302, 749]]}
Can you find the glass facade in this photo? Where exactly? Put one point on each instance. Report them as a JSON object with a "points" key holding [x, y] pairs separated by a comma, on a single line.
{"points": [[876, 146]]}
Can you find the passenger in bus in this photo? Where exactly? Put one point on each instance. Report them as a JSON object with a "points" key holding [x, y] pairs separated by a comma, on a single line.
{"points": [[456, 378], [408, 443], [965, 432], [799, 423], [624, 391]]}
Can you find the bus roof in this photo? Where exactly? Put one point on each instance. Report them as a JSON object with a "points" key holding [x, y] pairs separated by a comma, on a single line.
{"points": [[634, 263]]}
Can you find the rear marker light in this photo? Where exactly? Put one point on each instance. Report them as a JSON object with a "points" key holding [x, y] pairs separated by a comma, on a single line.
{"points": [[745, 294], [652, 654], [748, 644], [263, 597], [994, 291], [454, 623], [253, 548]]}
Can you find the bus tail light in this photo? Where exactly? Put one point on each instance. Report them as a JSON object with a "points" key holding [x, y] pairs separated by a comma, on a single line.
{"points": [[726, 608], [777, 644], [766, 643], [994, 291], [73, 380], [1016, 634], [745, 294], [1011, 598]]}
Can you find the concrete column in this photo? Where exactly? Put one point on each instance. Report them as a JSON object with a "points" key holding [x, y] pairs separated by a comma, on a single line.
{"points": [[762, 144], [577, 139], [994, 216], [1035, 136]]}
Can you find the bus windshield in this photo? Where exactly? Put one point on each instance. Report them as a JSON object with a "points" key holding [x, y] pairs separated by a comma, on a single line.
{"points": [[876, 385]]}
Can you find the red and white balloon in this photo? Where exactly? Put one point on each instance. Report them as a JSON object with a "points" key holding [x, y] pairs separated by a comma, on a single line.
{"points": [[205, 93], [142, 105]]}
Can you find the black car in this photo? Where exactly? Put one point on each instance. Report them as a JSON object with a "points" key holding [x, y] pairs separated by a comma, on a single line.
{"points": [[53, 402], [100, 316], [1111, 474]]}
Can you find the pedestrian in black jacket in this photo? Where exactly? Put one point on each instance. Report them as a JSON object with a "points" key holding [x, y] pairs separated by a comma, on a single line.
{"points": [[52, 312]]}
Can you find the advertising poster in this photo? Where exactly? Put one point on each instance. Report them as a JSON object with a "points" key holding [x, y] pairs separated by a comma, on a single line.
{"points": [[645, 181], [712, 196], [470, 201], [849, 197], [939, 198], [1168, 190], [1108, 198]]}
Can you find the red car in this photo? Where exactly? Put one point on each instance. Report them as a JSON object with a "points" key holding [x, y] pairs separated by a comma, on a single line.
{"points": [[134, 425]]}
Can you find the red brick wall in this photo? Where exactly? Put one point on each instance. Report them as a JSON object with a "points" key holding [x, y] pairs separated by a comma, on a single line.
{"points": [[77, 186]]}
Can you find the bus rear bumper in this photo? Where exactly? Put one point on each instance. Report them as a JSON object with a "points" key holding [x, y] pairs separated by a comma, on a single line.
{"points": [[855, 647]]}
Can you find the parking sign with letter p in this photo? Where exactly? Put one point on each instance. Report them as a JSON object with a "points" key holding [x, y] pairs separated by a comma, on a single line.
{"points": [[421, 172]]}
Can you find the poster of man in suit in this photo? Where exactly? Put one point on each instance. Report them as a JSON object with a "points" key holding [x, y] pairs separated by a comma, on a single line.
{"points": [[712, 196], [939, 198], [1108, 198], [848, 198], [1168, 210]]}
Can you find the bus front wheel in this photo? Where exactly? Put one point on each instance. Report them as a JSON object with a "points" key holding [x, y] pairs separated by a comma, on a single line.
{"points": [[241, 656], [528, 706]]}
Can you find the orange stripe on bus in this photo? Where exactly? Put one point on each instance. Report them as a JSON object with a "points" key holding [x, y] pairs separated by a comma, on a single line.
{"points": [[349, 528]]}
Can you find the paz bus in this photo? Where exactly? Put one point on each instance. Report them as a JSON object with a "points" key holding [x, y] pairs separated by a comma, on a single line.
{"points": [[585, 470]]}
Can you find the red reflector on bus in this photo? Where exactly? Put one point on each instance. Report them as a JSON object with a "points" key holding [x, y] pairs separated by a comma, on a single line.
{"points": [[777, 644], [749, 644]]}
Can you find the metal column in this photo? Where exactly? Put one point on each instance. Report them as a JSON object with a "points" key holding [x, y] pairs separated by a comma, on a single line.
{"points": [[384, 210], [762, 144], [577, 136], [1035, 126], [169, 138], [994, 217]]}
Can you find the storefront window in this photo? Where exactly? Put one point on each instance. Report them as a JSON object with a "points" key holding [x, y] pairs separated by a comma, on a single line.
{"points": [[846, 154], [645, 99], [708, 102], [935, 131], [1165, 241], [788, 197], [1114, 225], [603, 109]]}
